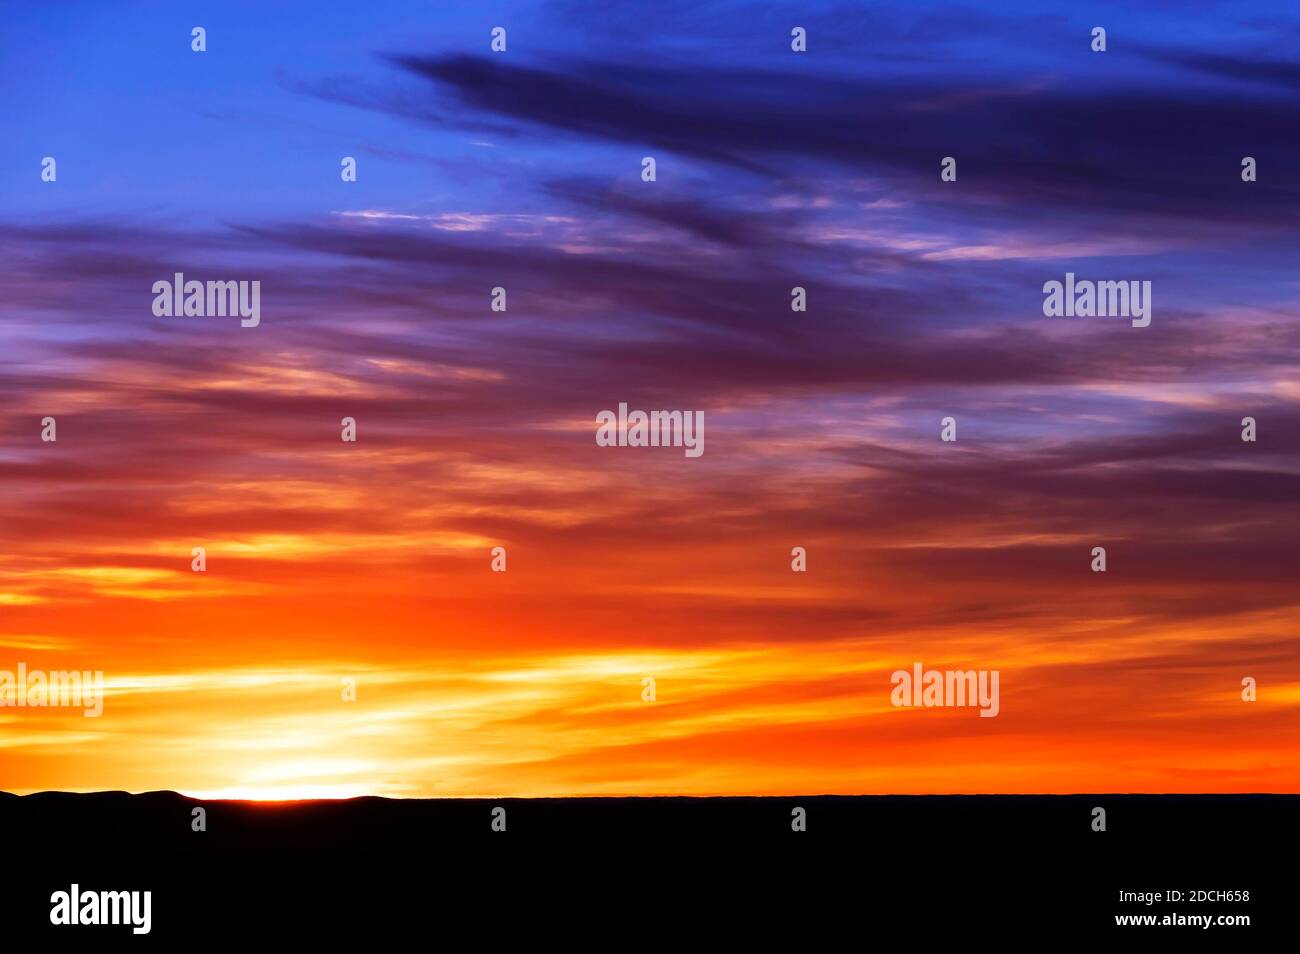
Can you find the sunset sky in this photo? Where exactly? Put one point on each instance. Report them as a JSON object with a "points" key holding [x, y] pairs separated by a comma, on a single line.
{"points": [[371, 560]]}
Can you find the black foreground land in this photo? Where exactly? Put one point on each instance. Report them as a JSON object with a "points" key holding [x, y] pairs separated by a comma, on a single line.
{"points": [[733, 869]]}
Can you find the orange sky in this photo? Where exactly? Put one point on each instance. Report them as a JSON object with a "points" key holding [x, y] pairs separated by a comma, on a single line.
{"points": [[371, 561]]}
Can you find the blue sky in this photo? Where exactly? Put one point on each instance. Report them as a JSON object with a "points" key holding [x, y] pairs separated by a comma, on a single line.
{"points": [[139, 123]]}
